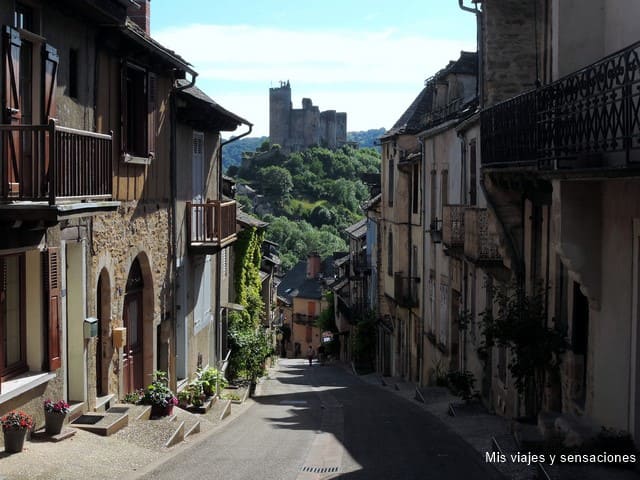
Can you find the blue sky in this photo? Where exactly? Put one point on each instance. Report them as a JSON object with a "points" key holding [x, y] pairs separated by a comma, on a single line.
{"points": [[367, 58]]}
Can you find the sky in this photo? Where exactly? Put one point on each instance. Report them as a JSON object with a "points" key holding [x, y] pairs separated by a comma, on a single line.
{"points": [[368, 58]]}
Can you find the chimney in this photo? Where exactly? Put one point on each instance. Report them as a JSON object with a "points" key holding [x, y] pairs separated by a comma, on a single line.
{"points": [[141, 16], [313, 265]]}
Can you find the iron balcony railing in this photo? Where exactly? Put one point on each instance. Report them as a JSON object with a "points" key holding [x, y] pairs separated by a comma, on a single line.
{"points": [[572, 122], [53, 164], [211, 224], [405, 291], [480, 243], [453, 226]]}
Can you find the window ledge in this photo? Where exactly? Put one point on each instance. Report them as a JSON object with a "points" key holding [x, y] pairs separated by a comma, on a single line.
{"points": [[128, 158], [23, 383]]}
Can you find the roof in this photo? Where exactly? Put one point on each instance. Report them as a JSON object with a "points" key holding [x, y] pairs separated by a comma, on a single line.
{"points": [[467, 64], [411, 120], [135, 33], [212, 113], [248, 220], [357, 230], [296, 284], [372, 202]]}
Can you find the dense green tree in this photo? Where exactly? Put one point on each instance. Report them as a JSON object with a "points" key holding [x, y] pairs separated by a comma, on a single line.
{"points": [[275, 182]]}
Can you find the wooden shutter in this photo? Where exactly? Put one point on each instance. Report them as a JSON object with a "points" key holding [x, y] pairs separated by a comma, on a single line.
{"points": [[124, 124], [152, 94], [50, 62], [3, 296], [12, 113], [51, 275]]}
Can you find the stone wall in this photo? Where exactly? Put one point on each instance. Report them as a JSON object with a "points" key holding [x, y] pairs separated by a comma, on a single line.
{"points": [[135, 230], [509, 48]]}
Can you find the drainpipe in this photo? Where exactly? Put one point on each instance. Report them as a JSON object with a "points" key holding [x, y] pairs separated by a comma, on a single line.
{"points": [[479, 34], [423, 299], [173, 199]]}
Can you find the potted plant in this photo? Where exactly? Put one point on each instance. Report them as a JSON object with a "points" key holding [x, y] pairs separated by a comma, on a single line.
{"points": [[210, 377], [54, 415], [159, 396], [15, 426]]}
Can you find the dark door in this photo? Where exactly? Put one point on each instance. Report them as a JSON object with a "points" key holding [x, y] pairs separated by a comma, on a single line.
{"points": [[99, 353], [132, 318]]}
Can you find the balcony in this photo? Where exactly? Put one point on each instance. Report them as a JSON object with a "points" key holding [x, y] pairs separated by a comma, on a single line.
{"points": [[480, 244], [303, 319], [361, 264], [588, 119], [405, 290], [47, 166], [211, 225], [453, 228]]}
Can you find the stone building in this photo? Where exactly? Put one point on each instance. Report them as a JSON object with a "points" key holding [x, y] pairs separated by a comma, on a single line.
{"points": [[93, 137], [297, 129]]}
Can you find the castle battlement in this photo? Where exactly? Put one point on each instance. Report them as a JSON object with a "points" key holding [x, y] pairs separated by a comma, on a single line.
{"points": [[296, 129]]}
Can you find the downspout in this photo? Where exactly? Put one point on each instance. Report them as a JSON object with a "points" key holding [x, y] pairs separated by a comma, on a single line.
{"points": [[173, 160], [479, 35], [218, 314]]}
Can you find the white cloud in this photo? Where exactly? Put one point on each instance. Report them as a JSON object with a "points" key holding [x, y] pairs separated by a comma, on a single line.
{"points": [[371, 75]]}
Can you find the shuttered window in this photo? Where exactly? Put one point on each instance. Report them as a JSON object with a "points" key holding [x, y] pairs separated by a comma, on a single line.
{"points": [[51, 276], [12, 316], [139, 96]]}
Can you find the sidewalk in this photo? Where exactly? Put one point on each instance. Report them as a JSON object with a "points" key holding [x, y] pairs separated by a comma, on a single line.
{"points": [[126, 454], [478, 427]]}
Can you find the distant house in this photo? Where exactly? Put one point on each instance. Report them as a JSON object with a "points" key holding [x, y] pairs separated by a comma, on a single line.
{"points": [[301, 299]]}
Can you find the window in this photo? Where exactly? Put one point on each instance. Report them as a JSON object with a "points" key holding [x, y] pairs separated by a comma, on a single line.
{"points": [[138, 107], [24, 18], [73, 73], [415, 190], [12, 315], [391, 178], [433, 206], [390, 254], [444, 314], [473, 192]]}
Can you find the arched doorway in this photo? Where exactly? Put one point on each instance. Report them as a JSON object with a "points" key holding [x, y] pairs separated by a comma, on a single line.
{"points": [[104, 350], [132, 365]]}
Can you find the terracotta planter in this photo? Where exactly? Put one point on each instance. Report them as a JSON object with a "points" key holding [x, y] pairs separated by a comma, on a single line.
{"points": [[53, 422], [14, 440], [159, 411]]}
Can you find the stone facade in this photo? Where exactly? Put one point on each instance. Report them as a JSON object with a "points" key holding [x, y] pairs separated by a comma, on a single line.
{"points": [[297, 129]]}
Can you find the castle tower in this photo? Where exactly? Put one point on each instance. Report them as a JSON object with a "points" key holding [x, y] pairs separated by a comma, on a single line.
{"points": [[280, 114]]}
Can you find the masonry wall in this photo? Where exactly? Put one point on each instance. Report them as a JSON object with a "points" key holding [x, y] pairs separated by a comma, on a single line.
{"points": [[509, 48]]}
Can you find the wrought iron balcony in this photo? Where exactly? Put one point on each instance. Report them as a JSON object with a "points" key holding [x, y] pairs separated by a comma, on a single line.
{"points": [[53, 164], [480, 244], [588, 119], [211, 225], [453, 227], [405, 290]]}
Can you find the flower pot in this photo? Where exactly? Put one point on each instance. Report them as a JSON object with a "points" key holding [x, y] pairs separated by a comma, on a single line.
{"points": [[53, 422], [160, 411], [14, 440]]}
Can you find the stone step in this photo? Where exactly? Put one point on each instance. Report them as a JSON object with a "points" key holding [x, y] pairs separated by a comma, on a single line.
{"points": [[104, 424], [192, 422], [156, 433], [136, 413]]}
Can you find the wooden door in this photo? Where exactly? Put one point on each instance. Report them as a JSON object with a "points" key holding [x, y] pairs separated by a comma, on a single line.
{"points": [[132, 357]]}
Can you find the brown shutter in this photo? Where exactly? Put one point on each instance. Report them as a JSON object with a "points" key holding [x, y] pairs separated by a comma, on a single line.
{"points": [[11, 114], [151, 114], [51, 275], [50, 61], [3, 296]]}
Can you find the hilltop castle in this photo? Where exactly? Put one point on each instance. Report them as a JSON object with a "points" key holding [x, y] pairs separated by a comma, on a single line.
{"points": [[296, 129]]}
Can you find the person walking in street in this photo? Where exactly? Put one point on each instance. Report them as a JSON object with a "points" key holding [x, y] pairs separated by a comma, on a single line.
{"points": [[310, 354]]}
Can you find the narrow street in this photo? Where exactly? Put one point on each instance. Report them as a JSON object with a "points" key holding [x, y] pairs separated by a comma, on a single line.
{"points": [[323, 422]]}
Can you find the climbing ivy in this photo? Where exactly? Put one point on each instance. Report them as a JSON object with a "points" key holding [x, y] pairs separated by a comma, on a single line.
{"points": [[249, 343]]}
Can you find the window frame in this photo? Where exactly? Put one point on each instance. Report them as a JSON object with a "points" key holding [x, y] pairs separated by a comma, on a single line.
{"points": [[16, 368], [142, 112]]}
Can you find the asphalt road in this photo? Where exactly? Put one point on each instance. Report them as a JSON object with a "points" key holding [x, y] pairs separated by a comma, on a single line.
{"points": [[323, 422]]}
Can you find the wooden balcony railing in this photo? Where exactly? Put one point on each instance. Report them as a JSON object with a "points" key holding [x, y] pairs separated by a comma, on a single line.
{"points": [[211, 224], [53, 163], [405, 290], [480, 244], [588, 119], [453, 226]]}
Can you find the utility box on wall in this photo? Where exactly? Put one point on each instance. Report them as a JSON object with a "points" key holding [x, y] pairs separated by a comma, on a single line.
{"points": [[90, 326], [119, 337]]}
